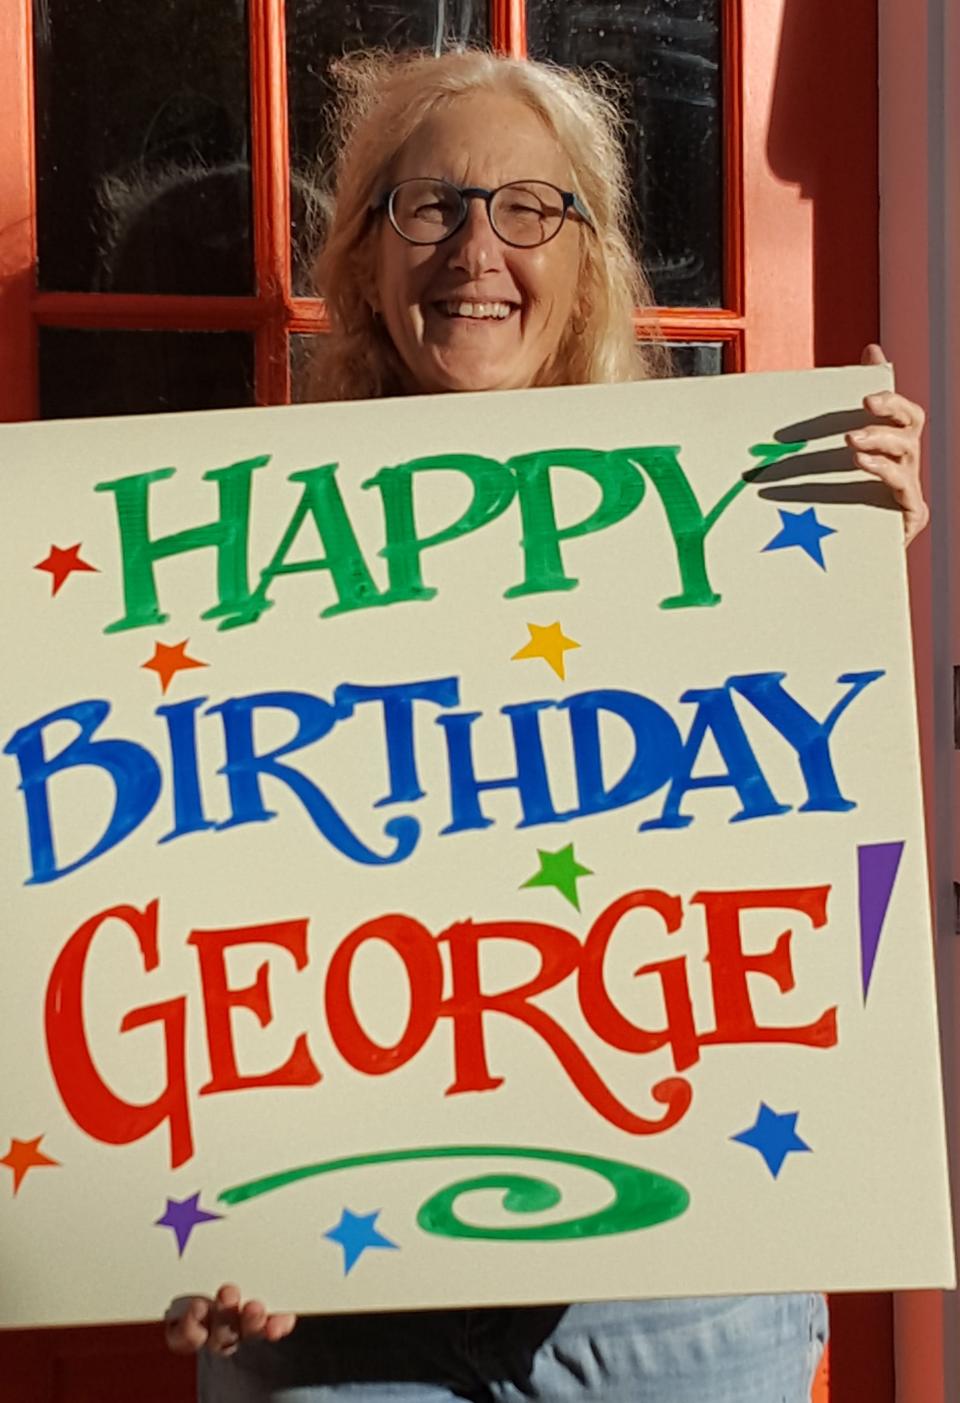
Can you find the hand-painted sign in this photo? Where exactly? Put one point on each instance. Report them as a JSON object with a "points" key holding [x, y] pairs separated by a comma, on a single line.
{"points": [[462, 850]]}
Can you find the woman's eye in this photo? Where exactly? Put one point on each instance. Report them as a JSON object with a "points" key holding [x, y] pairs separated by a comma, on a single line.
{"points": [[432, 212]]}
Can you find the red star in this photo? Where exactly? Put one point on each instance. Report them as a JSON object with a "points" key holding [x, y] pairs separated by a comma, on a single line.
{"points": [[24, 1155], [61, 563], [169, 659]]}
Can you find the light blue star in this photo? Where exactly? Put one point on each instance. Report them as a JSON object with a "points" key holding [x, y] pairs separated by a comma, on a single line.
{"points": [[355, 1232], [804, 530], [774, 1136]]}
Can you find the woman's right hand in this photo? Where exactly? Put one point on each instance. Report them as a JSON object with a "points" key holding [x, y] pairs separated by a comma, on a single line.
{"points": [[194, 1323]]}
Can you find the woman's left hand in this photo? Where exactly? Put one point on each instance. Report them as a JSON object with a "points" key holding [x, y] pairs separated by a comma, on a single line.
{"points": [[890, 449]]}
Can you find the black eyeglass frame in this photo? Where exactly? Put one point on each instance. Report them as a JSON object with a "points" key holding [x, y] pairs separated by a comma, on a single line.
{"points": [[466, 193]]}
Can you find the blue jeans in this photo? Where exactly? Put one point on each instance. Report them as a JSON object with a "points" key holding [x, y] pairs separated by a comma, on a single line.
{"points": [[744, 1349]]}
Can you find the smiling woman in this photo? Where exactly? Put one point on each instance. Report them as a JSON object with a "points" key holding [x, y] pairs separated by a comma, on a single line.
{"points": [[423, 290], [479, 307], [480, 240]]}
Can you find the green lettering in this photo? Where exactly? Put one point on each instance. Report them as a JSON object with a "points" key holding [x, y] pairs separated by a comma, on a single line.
{"points": [[320, 500], [493, 491], [621, 488], [140, 552], [689, 527]]}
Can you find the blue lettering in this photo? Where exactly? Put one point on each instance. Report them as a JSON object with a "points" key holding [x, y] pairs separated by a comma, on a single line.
{"points": [[244, 768], [716, 714], [133, 770], [188, 813], [530, 779], [810, 738], [656, 742], [398, 722]]}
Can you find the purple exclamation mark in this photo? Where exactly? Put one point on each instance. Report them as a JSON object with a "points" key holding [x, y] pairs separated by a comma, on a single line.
{"points": [[877, 865]]}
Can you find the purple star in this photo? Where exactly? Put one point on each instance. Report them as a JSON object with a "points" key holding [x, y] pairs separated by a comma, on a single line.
{"points": [[183, 1215], [804, 530], [774, 1136]]}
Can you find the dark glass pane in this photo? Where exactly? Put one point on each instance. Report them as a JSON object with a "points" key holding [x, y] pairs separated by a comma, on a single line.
{"points": [[667, 55], [84, 373], [318, 32], [142, 151], [300, 349], [697, 357]]}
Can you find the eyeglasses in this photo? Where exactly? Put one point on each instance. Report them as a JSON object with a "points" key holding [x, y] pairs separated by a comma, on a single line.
{"points": [[524, 213]]}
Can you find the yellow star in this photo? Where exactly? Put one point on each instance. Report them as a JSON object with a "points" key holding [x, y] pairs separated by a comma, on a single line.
{"points": [[549, 643]]}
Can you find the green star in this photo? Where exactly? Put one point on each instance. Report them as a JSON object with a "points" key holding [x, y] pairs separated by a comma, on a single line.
{"points": [[561, 870]]}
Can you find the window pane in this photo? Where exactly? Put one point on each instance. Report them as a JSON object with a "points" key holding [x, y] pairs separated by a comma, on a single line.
{"points": [[317, 32], [300, 349], [83, 373], [142, 147], [667, 54], [697, 357]]}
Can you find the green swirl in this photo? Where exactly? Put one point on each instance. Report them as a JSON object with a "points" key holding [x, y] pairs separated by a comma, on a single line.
{"points": [[641, 1198]]}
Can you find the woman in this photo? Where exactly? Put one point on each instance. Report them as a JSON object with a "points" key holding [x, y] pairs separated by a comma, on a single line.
{"points": [[479, 242]]}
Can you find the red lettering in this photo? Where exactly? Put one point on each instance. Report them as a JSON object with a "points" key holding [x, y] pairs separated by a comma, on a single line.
{"points": [[558, 956], [730, 964], [95, 1108], [559, 953], [424, 971], [220, 999], [602, 1014]]}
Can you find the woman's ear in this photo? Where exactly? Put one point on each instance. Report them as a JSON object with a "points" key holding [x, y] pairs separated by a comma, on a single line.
{"points": [[580, 315]]}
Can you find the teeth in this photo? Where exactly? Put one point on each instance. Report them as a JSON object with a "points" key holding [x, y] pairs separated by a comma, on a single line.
{"points": [[496, 310]]}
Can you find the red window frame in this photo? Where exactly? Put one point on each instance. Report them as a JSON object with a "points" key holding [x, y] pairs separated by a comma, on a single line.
{"points": [[752, 332], [800, 284]]}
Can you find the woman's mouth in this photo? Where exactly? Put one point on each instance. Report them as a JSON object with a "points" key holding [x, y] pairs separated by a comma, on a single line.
{"points": [[454, 308]]}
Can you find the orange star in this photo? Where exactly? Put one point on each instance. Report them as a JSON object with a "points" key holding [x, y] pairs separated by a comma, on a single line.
{"points": [[169, 659], [62, 562], [24, 1155]]}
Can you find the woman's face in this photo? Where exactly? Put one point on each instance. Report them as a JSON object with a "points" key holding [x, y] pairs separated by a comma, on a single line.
{"points": [[443, 304]]}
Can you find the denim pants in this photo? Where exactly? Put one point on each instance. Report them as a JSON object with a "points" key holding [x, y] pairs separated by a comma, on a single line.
{"points": [[744, 1349]]}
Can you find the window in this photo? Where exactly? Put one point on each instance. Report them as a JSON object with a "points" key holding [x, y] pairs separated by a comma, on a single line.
{"points": [[174, 186], [155, 253]]}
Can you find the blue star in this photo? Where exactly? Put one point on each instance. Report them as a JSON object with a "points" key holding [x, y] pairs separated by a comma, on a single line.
{"points": [[804, 530], [355, 1232], [774, 1135]]}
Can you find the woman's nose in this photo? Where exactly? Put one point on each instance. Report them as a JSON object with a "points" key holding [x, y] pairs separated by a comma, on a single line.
{"points": [[475, 248]]}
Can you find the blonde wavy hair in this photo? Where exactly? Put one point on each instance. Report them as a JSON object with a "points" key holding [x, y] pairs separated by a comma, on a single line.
{"points": [[383, 100]]}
